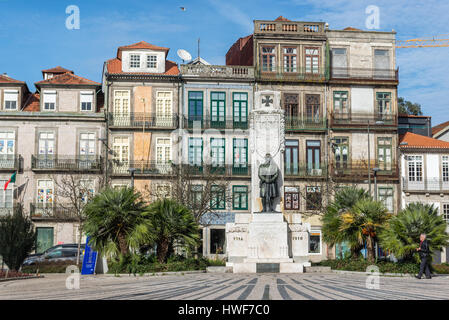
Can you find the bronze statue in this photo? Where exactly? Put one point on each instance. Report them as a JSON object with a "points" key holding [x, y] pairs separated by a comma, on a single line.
{"points": [[268, 175]]}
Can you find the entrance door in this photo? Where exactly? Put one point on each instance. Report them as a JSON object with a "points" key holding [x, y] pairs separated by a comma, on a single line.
{"points": [[44, 239]]}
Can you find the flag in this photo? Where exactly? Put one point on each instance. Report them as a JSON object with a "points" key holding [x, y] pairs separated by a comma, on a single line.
{"points": [[12, 179]]}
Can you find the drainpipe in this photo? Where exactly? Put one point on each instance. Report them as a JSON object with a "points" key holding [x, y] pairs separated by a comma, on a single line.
{"points": [[106, 100]]}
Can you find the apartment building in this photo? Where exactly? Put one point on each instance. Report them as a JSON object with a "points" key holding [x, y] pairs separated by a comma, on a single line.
{"points": [[425, 176], [51, 134]]}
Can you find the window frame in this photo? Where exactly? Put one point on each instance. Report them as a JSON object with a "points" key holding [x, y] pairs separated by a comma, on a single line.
{"points": [[131, 62], [7, 92], [312, 206], [292, 58], [291, 194], [314, 233], [271, 65], [193, 117], [218, 123], [311, 56], [215, 195], [239, 194], [239, 102], [148, 62], [87, 93], [383, 197]]}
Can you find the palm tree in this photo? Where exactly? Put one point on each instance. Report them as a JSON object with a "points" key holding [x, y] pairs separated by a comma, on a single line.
{"points": [[332, 220], [116, 222], [401, 236], [171, 224], [365, 220]]}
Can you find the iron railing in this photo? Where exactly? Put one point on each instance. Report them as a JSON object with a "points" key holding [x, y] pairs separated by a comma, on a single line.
{"points": [[319, 74], [10, 162], [142, 120], [354, 118], [66, 163], [360, 169], [305, 171], [426, 185], [305, 123], [52, 211], [338, 73], [201, 122]]}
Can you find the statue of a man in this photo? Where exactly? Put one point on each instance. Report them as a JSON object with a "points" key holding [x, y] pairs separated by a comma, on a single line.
{"points": [[268, 175]]}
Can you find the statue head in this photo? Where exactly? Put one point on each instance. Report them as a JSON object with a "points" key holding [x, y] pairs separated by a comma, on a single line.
{"points": [[267, 157]]}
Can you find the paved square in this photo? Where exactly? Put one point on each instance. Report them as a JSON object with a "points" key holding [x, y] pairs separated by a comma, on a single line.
{"points": [[227, 286]]}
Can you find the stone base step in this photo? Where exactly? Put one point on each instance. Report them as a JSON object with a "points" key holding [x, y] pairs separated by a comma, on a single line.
{"points": [[317, 269], [218, 269]]}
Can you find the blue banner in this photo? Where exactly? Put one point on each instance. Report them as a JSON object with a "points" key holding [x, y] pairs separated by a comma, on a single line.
{"points": [[90, 259]]}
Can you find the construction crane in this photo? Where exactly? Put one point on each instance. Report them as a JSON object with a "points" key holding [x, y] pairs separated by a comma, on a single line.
{"points": [[424, 43]]}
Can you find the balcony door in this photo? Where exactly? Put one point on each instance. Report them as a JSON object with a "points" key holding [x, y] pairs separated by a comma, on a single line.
{"points": [[120, 146], [313, 154], [195, 107], [445, 172], [313, 108], [45, 198], [312, 56], [46, 152], [341, 152], [382, 64], [240, 156], [341, 110], [384, 156], [217, 109], [121, 108], [87, 150], [164, 107], [291, 157], [163, 154], [7, 149], [415, 173], [291, 110], [339, 63]]}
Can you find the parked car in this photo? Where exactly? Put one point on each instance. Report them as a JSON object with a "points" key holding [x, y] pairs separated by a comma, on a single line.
{"points": [[56, 253]]}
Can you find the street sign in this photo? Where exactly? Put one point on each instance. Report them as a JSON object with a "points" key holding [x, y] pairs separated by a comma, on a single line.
{"points": [[90, 259]]}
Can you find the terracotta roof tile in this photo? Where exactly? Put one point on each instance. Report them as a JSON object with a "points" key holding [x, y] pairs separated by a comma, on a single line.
{"points": [[32, 103], [114, 66], [351, 29], [68, 78], [439, 127], [140, 45], [57, 69], [281, 18], [7, 79], [417, 141]]}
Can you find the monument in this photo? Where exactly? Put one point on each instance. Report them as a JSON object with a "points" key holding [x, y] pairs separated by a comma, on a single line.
{"points": [[267, 240]]}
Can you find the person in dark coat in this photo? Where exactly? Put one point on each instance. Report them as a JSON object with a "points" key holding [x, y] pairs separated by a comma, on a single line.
{"points": [[424, 254], [268, 174]]}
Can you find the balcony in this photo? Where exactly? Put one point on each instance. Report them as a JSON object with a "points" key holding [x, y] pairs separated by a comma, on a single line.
{"points": [[54, 211], [66, 163], [139, 120], [10, 162], [300, 74], [430, 185], [304, 171], [304, 124], [142, 167], [222, 72], [193, 122], [262, 27], [228, 170], [353, 119], [359, 170], [362, 74]]}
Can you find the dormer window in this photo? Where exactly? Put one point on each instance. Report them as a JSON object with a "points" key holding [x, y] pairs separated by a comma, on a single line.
{"points": [[49, 100], [151, 61], [10, 100], [134, 61], [87, 98]]}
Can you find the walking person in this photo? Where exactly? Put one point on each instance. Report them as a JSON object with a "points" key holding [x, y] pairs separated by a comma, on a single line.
{"points": [[424, 254]]}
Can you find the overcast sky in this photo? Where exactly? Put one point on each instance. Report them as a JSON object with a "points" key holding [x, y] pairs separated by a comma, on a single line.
{"points": [[33, 34]]}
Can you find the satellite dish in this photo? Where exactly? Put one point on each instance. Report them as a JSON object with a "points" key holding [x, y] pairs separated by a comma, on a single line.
{"points": [[184, 55]]}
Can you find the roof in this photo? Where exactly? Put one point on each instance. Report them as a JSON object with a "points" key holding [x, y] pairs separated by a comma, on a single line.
{"points": [[57, 70], [32, 103], [4, 78], [416, 141], [281, 18], [406, 115], [199, 60], [440, 127], [140, 45], [351, 29], [114, 66], [68, 78]]}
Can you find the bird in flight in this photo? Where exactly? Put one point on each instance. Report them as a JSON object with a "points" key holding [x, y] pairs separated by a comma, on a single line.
{"points": [[183, 8]]}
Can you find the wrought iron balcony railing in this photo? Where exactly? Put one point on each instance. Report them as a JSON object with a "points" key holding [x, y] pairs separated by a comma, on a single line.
{"points": [[208, 71], [318, 74], [142, 120], [52, 211], [364, 74], [201, 122], [305, 171], [65, 163], [426, 185], [374, 119], [142, 167], [305, 123], [10, 162], [360, 169]]}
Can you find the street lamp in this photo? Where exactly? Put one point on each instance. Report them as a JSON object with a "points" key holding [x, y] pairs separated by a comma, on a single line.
{"points": [[131, 171], [375, 182]]}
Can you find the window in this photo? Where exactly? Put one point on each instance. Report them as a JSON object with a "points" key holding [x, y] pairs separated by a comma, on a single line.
{"points": [[384, 157], [151, 61], [291, 157], [87, 187], [339, 62], [49, 100], [240, 197], [87, 148], [291, 110], [87, 99], [383, 104], [382, 64], [217, 241], [240, 105], [163, 191], [217, 108], [196, 151], [312, 60], [46, 149], [164, 101], [121, 103], [315, 242], [313, 155], [313, 197], [268, 59], [240, 155], [196, 195], [446, 212], [6, 196], [10, 99], [313, 108], [341, 104], [217, 152], [445, 168], [134, 61], [195, 106], [45, 193], [7, 149], [291, 198], [289, 59], [163, 151], [44, 239], [341, 151], [217, 197], [415, 168], [120, 146], [386, 197]]}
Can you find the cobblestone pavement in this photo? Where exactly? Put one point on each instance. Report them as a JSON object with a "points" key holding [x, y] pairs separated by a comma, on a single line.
{"points": [[227, 286]]}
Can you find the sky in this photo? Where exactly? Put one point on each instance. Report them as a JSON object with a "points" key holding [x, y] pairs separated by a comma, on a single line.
{"points": [[33, 34]]}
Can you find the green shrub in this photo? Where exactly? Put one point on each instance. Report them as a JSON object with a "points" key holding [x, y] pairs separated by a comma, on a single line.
{"points": [[361, 265], [49, 267]]}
